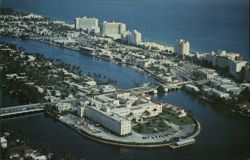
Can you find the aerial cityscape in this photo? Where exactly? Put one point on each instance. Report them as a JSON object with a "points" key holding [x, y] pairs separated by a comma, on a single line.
{"points": [[86, 87]]}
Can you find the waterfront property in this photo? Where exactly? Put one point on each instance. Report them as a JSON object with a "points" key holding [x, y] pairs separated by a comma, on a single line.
{"points": [[113, 122], [221, 142], [87, 24], [131, 118], [182, 48], [113, 29], [106, 113], [107, 131], [118, 118], [116, 110]]}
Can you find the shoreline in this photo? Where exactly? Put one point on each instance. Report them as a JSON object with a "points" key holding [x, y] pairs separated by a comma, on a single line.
{"points": [[122, 144], [130, 66], [135, 68]]}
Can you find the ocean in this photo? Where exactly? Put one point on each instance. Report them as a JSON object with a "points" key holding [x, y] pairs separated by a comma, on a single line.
{"points": [[209, 25]]}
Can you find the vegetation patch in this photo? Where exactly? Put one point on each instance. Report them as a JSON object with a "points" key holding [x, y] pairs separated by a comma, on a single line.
{"points": [[151, 125], [176, 120], [157, 124]]}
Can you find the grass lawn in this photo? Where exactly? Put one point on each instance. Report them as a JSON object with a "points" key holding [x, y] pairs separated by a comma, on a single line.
{"points": [[172, 118], [143, 129], [153, 125], [156, 124]]}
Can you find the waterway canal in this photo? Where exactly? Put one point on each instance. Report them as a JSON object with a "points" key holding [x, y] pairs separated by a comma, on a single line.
{"points": [[223, 135]]}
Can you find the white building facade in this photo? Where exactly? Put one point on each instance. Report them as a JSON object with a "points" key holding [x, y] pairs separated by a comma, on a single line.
{"points": [[205, 73], [113, 122], [80, 111], [87, 24], [236, 67], [182, 47], [134, 37], [113, 29], [61, 107], [3, 142], [149, 109], [232, 61]]}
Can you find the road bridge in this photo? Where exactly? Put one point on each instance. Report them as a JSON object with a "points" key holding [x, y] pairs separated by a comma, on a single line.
{"points": [[30, 108]]}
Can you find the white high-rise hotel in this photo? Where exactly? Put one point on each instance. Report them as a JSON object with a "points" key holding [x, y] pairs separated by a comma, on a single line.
{"points": [[113, 29], [182, 47], [134, 37], [87, 24]]}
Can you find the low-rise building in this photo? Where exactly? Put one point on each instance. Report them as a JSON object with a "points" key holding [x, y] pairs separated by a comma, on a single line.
{"points": [[61, 107], [63, 40], [216, 93], [121, 111], [205, 73], [192, 88], [149, 109], [231, 61], [3, 142], [105, 99], [32, 15], [107, 88], [229, 88], [157, 46], [179, 112]]}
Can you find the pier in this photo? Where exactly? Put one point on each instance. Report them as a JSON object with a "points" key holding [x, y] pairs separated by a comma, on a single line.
{"points": [[182, 143]]}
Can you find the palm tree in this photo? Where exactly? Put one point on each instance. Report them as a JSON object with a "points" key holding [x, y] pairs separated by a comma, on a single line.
{"points": [[147, 113]]}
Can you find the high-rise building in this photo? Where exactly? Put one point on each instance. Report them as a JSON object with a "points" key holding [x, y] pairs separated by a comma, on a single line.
{"points": [[182, 47], [134, 37], [235, 67], [113, 29], [87, 24]]}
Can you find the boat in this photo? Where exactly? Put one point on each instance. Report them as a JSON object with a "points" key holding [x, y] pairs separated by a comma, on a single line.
{"points": [[87, 50]]}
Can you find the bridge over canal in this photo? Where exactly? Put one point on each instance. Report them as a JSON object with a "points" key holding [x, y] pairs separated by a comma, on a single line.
{"points": [[29, 108]]}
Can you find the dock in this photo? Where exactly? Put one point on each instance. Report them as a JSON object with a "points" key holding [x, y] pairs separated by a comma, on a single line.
{"points": [[182, 143]]}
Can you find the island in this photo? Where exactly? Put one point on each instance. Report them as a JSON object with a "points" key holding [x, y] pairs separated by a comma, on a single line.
{"points": [[101, 112]]}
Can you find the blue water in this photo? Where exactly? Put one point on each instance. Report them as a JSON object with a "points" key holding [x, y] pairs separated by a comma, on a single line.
{"points": [[127, 78], [207, 24], [211, 25], [223, 135]]}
